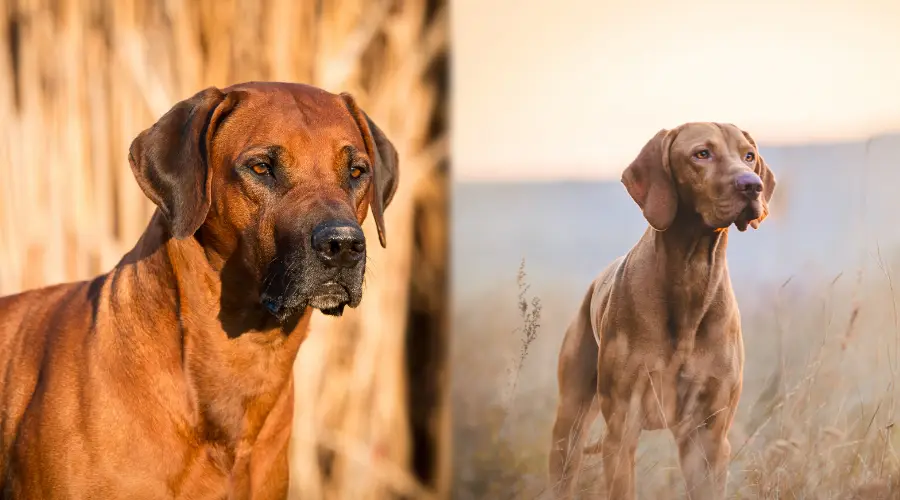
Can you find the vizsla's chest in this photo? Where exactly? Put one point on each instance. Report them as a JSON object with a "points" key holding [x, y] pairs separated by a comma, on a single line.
{"points": [[682, 395], [668, 392], [670, 361]]}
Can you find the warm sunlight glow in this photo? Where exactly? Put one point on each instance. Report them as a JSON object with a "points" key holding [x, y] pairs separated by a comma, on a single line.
{"points": [[573, 88]]}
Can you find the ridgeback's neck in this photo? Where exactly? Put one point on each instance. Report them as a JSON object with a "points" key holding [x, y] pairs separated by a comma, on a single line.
{"points": [[232, 381]]}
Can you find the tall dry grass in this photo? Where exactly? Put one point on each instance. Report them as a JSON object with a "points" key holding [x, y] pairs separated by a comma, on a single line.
{"points": [[817, 419], [80, 78]]}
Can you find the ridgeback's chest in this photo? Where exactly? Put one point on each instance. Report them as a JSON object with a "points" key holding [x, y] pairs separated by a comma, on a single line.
{"points": [[144, 466], [114, 454]]}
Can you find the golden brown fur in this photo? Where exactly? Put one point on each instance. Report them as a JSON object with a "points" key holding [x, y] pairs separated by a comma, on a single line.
{"points": [[656, 343], [170, 376]]}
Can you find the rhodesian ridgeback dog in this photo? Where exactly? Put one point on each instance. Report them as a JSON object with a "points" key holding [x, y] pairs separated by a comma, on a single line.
{"points": [[656, 343], [171, 376]]}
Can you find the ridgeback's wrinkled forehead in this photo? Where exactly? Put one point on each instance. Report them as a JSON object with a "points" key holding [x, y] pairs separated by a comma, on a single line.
{"points": [[694, 136], [299, 120]]}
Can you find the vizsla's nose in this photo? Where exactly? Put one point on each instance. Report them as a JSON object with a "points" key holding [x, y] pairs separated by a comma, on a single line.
{"points": [[749, 184], [339, 244]]}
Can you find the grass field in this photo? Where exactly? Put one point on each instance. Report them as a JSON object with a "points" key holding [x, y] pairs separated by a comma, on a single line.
{"points": [[816, 419]]}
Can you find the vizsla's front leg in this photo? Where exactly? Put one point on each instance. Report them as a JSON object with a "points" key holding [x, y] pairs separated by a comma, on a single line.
{"points": [[704, 451], [618, 447]]}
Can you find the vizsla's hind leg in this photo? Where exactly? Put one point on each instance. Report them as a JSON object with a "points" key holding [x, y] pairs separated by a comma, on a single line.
{"points": [[574, 416], [578, 407]]}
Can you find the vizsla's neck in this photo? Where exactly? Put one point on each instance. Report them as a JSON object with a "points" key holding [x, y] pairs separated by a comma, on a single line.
{"points": [[231, 380], [689, 249], [690, 265]]}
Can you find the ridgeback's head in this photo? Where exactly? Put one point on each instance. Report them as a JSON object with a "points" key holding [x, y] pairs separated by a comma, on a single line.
{"points": [[713, 169], [275, 179]]}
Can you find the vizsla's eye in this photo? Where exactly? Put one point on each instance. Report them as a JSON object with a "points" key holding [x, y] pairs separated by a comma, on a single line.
{"points": [[750, 156], [261, 169], [703, 154], [357, 172]]}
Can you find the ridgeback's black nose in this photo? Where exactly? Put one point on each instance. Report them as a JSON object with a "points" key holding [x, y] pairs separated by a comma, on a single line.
{"points": [[749, 184], [339, 244]]}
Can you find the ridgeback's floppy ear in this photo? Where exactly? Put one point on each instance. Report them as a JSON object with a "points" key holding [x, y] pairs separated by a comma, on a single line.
{"points": [[768, 180], [385, 171], [649, 182], [170, 159]]}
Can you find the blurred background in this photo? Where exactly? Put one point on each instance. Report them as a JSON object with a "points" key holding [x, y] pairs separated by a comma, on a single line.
{"points": [[79, 79], [552, 100]]}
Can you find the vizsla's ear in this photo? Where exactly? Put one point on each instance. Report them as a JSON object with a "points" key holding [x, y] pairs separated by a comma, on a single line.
{"points": [[170, 159], [649, 181], [385, 171], [768, 180]]}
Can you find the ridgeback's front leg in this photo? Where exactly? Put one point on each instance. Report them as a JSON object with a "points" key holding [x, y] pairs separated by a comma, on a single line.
{"points": [[269, 466]]}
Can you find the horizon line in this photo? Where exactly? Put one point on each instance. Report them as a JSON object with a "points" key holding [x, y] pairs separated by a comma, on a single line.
{"points": [[605, 173]]}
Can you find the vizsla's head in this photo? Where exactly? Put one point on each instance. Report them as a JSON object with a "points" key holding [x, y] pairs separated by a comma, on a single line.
{"points": [[274, 181], [712, 169]]}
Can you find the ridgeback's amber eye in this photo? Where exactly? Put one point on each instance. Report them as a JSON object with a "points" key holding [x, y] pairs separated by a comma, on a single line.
{"points": [[703, 154], [750, 156], [356, 172], [261, 169]]}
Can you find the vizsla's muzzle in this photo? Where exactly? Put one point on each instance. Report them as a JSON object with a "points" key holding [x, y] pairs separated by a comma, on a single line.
{"points": [[322, 268], [749, 186]]}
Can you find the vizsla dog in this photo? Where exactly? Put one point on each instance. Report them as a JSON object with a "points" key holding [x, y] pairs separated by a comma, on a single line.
{"points": [[170, 377], [657, 342]]}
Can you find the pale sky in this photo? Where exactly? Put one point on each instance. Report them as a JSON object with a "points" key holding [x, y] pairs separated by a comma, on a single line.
{"points": [[574, 88]]}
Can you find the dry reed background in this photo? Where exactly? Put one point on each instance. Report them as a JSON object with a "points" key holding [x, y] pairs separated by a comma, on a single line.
{"points": [[80, 78]]}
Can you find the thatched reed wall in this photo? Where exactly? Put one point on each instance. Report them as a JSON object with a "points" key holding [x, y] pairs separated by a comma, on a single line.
{"points": [[80, 78]]}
